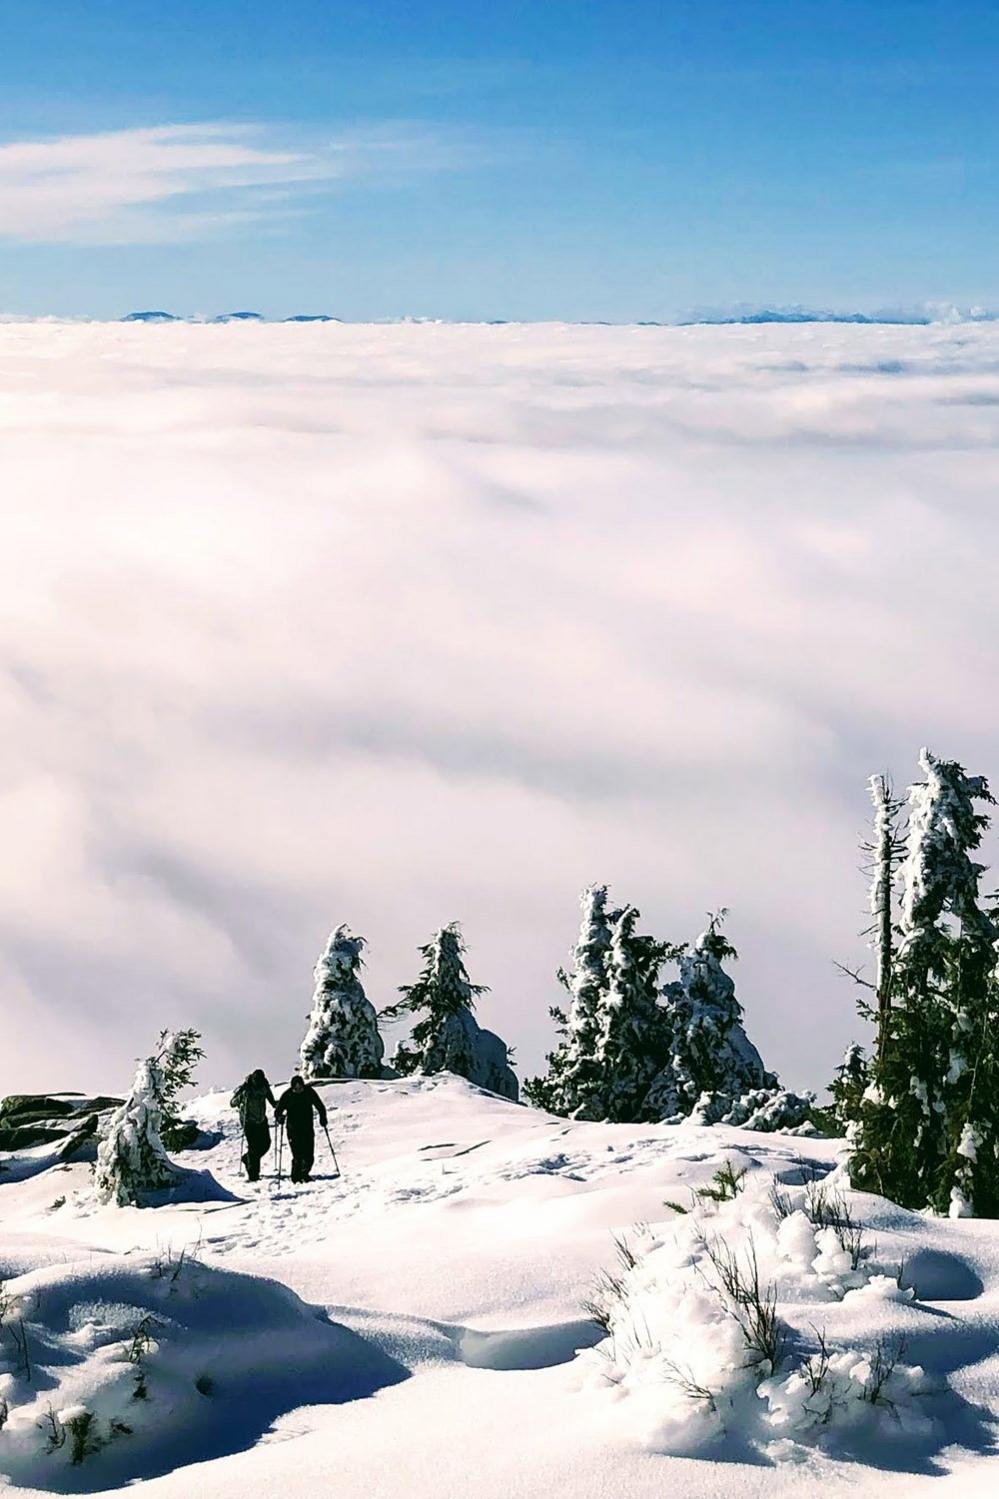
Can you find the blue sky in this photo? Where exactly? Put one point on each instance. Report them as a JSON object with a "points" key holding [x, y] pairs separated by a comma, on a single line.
{"points": [[620, 160]]}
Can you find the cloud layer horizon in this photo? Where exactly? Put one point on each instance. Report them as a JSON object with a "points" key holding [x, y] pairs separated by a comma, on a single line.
{"points": [[402, 625]]}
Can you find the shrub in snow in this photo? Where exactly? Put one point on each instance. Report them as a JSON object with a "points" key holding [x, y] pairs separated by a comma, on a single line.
{"points": [[771, 1109], [712, 1332], [446, 1037], [834, 1392], [925, 1128], [342, 1039], [131, 1159]]}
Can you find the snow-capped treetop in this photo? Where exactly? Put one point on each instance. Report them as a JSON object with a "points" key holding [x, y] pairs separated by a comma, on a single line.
{"points": [[443, 987], [938, 877], [881, 798], [342, 1039], [337, 965], [586, 981], [885, 850]]}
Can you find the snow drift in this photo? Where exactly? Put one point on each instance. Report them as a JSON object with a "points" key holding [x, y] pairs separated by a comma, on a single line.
{"points": [[120, 1370], [460, 1248]]}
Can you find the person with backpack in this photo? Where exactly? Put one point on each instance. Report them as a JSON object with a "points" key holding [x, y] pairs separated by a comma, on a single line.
{"points": [[251, 1099], [298, 1104]]}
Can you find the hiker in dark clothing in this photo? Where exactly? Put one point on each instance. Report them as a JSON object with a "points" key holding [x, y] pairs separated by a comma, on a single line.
{"points": [[251, 1099], [297, 1105]]}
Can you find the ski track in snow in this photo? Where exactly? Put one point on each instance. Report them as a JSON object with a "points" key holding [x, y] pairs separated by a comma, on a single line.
{"points": [[459, 1245]]}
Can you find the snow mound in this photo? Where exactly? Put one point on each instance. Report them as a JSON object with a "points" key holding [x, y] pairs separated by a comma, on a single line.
{"points": [[467, 1049], [115, 1370], [764, 1321]]}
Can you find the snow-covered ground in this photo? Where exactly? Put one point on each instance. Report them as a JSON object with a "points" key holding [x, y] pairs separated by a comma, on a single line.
{"points": [[417, 1325]]}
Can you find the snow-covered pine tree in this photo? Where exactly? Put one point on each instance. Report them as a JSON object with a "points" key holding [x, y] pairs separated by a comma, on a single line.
{"points": [[628, 1050], [946, 930], [573, 1080], [928, 1126], [446, 1037], [850, 1084], [709, 1052], [712, 1071], [131, 1159], [342, 1038]]}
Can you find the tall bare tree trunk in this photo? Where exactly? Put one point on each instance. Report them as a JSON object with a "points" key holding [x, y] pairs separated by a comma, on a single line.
{"points": [[885, 851]]}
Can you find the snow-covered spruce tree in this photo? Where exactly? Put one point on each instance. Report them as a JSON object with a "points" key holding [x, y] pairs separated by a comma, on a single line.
{"points": [[446, 1037], [131, 1159], [573, 1081], [713, 1073], [927, 1129], [342, 1039], [629, 1049], [850, 1084]]}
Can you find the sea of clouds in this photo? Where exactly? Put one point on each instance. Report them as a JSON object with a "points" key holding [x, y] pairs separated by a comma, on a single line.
{"points": [[404, 624]]}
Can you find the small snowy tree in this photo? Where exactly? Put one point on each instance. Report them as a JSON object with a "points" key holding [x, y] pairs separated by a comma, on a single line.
{"points": [[927, 1128], [342, 1039], [850, 1084], [573, 1080], [177, 1055], [709, 1052], [446, 1037], [629, 1044], [713, 1072], [131, 1159]]}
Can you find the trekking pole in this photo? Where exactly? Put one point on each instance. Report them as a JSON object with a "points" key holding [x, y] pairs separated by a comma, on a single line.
{"points": [[242, 1158], [280, 1150], [329, 1142]]}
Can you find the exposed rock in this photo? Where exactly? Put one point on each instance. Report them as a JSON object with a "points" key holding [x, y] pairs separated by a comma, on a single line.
{"points": [[85, 1134], [35, 1105], [23, 1137], [30, 1119]]}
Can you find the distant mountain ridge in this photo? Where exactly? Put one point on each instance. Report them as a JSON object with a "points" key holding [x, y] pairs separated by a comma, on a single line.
{"points": [[740, 316], [158, 316], [921, 317]]}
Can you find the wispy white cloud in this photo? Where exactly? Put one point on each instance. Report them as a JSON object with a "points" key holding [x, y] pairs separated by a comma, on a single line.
{"points": [[170, 182]]}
